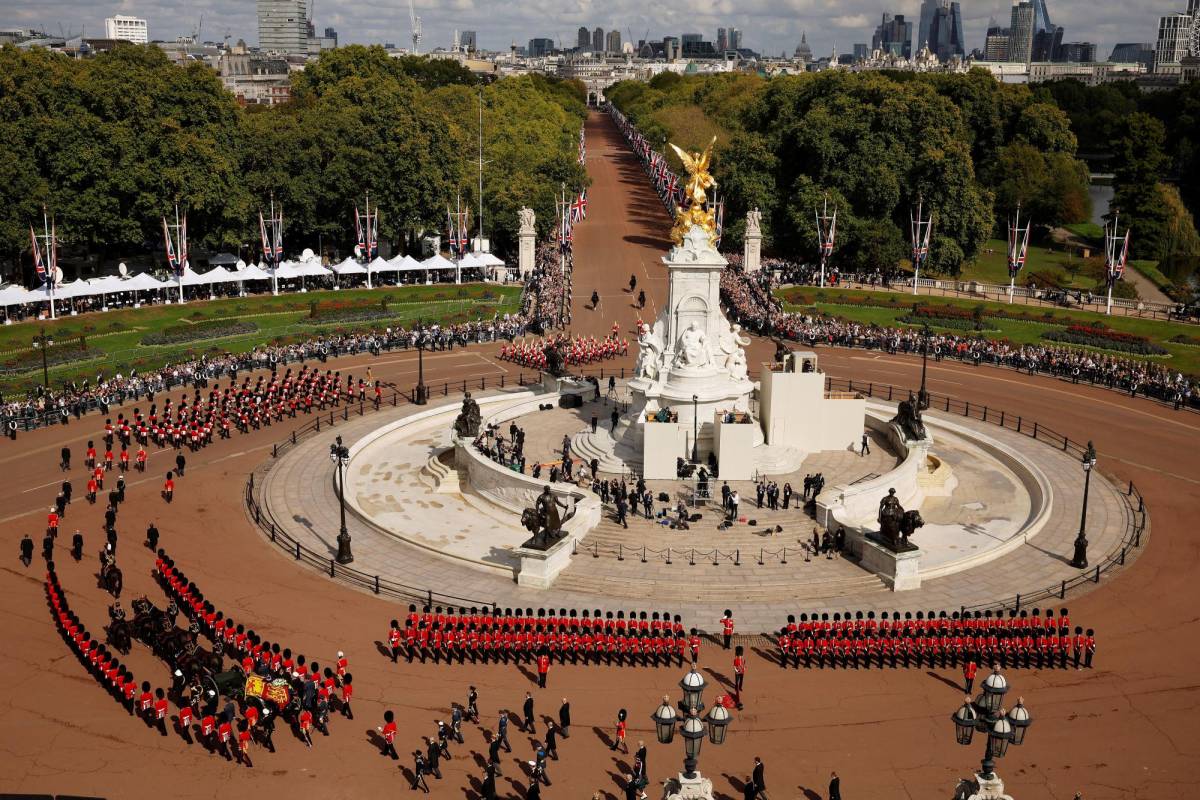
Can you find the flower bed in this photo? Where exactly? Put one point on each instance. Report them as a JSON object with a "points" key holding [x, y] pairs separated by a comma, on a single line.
{"points": [[952, 323], [19, 361], [212, 329], [1105, 339]]}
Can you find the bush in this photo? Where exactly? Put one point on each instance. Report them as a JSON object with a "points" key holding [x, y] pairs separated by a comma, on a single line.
{"points": [[952, 323], [1106, 339], [212, 329]]}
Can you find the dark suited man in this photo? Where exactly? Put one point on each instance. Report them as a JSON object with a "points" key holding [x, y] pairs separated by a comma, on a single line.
{"points": [[760, 782], [835, 787]]}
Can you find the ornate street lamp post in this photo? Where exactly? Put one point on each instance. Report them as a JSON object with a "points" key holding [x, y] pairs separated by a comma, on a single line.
{"points": [[422, 391], [695, 429], [690, 785], [986, 714], [1080, 560], [923, 394], [339, 454], [43, 342]]}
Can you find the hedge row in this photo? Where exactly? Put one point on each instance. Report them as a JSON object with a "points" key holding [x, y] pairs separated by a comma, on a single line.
{"points": [[27, 360], [1105, 339], [211, 329]]}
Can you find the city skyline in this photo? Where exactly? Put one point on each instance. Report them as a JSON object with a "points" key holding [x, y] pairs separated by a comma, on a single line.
{"points": [[767, 27]]}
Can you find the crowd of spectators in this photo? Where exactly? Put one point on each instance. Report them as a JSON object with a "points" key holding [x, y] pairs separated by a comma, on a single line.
{"points": [[749, 302], [545, 296]]}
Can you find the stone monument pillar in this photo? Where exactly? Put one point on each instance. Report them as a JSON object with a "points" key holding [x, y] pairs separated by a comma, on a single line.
{"points": [[526, 237], [752, 242]]}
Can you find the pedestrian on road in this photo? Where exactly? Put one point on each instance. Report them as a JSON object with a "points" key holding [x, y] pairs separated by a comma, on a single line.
{"points": [[760, 782], [739, 673], [502, 731], [727, 628], [433, 755], [866, 445], [632, 283], [529, 722], [180, 463], [595, 300], [835, 787], [552, 741], [388, 731], [619, 739], [543, 667], [642, 299], [420, 767], [564, 715], [494, 752], [64, 462], [969, 670]]}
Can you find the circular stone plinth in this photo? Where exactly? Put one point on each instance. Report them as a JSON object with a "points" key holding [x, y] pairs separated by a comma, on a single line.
{"points": [[608, 570]]}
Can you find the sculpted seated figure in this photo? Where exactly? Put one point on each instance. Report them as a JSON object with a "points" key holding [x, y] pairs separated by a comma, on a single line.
{"points": [[693, 347]]}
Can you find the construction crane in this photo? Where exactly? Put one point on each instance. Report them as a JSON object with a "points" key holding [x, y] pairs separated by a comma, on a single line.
{"points": [[416, 27]]}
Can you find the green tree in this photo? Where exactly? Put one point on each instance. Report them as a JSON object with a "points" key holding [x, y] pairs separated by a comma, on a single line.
{"points": [[1140, 165]]}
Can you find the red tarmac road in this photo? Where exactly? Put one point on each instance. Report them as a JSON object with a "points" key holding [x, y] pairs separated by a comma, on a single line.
{"points": [[1126, 729]]}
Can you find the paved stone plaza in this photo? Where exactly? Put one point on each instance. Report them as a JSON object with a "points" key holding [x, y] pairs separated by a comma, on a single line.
{"points": [[608, 569]]}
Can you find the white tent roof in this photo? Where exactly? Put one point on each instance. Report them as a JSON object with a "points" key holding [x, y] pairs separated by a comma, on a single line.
{"points": [[200, 278], [349, 267], [253, 272], [488, 260], [438, 261], [379, 265], [109, 284], [143, 281], [312, 269], [286, 269], [469, 261], [15, 295]]}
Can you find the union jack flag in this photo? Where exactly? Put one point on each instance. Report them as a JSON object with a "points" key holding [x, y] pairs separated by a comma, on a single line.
{"points": [[38, 264], [1117, 270], [579, 207], [172, 261], [720, 220], [582, 148]]}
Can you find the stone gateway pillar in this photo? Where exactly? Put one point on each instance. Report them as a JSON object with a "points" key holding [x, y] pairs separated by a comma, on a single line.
{"points": [[526, 238], [752, 242]]}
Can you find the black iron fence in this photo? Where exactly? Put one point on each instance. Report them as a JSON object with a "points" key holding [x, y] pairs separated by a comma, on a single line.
{"points": [[1134, 504]]}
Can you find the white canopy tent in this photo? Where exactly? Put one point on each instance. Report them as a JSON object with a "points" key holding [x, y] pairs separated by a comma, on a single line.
{"points": [[349, 267]]}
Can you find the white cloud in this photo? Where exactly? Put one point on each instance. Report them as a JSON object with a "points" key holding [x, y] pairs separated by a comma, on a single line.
{"points": [[769, 26]]}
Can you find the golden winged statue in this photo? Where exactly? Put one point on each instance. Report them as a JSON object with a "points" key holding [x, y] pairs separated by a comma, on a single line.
{"points": [[699, 181]]}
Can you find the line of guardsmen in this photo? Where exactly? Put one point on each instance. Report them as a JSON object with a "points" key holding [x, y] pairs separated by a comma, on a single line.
{"points": [[193, 423], [1020, 639], [497, 635]]}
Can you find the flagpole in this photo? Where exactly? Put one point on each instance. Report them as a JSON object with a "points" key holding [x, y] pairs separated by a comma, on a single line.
{"points": [[178, 254], [274, 255], [51, 266], [480, 174]]}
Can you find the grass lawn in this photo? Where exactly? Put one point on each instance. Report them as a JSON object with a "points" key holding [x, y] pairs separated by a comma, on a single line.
{"points": [[839, 302], [116, 336], [991, 266]]}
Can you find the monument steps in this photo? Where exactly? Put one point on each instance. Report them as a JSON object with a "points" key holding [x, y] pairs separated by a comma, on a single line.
{"points": [[712, 584], [778, 459], [615, 458]]}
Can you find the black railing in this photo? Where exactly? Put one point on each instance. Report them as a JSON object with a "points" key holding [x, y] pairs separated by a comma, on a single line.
{"points": [[1137, 517], [1131, 541]]}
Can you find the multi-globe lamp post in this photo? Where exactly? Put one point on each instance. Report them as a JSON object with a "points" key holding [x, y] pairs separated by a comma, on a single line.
{"points": [[693, 729], [1080, 560], [339, 454], [986, 715]]}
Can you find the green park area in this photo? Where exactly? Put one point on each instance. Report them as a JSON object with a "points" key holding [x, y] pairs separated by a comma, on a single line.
{"points": [[1170, 344], [105, 343]]}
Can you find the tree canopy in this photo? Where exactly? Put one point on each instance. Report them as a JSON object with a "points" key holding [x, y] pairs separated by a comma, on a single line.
{"points": [[109, 143]]}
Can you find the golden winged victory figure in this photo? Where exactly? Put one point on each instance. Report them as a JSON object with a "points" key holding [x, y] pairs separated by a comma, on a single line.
{"points": [[699, 180]]}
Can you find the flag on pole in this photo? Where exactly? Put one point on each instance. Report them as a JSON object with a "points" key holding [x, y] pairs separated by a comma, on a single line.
{"points": [[451, 239], [720, 221], [38, 264], [183, 251], [171, 260], [1116, 270]]}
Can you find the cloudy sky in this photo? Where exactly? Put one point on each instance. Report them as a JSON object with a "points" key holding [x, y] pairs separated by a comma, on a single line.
{"points": [[769, 26]]}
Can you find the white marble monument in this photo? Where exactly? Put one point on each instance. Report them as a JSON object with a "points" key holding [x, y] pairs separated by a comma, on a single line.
{"points": [[526, 243], [691, 365], [752, 242]]}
